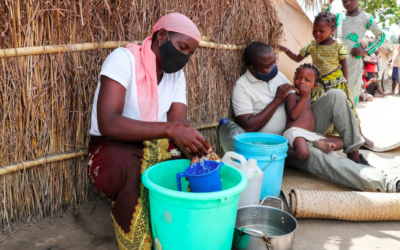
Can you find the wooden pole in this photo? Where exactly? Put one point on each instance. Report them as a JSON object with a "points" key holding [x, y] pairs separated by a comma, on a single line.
{"points": [[38, 50], [53, 49], [11, 168], [209, 125], [14, 167]]}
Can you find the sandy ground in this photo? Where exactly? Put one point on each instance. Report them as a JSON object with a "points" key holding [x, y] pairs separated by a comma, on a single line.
{"points": [[79, 230], [76, 230]]}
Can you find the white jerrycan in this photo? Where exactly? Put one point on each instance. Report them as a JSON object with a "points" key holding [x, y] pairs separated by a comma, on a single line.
{"points": [[251, 195]]}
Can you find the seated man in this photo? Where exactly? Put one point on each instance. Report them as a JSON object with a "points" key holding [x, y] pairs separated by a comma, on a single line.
{"points": [[258, 102]]}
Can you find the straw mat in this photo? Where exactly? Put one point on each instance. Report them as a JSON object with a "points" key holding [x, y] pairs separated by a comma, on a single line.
{"points": [[347, 205], [312, 196]]}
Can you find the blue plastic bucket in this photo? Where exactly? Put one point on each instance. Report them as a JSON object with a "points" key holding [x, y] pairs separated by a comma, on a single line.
{"points": [[270, 152], [192, 221], [203, 177]]}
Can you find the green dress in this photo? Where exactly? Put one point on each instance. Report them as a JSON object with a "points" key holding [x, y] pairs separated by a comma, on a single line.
{"points": [[351, 30]]}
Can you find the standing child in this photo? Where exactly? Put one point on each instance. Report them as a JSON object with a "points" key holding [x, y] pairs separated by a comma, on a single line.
{"points": [[351, 27], [396, 68], [329, 56], [300, 118]]}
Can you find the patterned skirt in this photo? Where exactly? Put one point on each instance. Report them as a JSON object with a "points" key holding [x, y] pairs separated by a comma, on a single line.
{"points": [[338, 83], [116, 169]]}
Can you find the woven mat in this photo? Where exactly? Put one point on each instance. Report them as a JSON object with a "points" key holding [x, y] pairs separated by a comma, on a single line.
{"points": [[352, 206], [312, 196], [380, 120]]}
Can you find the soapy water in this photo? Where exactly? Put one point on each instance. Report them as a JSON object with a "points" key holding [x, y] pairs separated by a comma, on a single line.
{"points": [[204, 168]]}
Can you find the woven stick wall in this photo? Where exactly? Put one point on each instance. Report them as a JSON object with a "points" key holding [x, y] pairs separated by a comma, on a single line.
{"points": [[46, 99]]}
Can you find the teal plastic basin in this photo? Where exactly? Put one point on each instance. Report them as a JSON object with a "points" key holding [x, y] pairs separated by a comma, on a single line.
{"points": [[183, 220]]}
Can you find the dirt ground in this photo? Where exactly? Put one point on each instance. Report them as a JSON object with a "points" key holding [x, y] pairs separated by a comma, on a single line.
{"points": [[79, 230]]}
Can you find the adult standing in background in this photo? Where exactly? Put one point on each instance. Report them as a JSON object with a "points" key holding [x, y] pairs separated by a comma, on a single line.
{"points": [[395, 62]]}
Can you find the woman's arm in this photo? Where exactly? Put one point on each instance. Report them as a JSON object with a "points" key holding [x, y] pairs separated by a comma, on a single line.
{"points": [[291, 55], [112, 124], [177, 113]]}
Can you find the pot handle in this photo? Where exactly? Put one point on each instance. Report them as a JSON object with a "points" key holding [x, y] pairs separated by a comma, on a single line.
{"points": [[272, 197], [260, 234]]}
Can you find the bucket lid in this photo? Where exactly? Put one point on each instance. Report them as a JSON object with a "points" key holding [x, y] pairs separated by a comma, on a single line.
{"points": [[223, 121]]}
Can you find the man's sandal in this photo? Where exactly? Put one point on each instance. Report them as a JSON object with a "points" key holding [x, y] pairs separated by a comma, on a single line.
{"points": [[363, 161]]}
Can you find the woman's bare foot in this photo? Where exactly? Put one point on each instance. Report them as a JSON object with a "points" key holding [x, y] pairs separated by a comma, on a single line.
{"points": [[325, 147], [368, 142]]}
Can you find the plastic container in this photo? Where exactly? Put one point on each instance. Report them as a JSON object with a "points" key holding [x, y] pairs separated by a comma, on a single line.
{"points": [[192, 220], [227, 132], [203, 177], [251, 194], [270, 152]]}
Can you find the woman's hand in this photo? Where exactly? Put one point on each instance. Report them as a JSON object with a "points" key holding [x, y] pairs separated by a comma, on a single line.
{"points": [[189, 139], [358, 52]]}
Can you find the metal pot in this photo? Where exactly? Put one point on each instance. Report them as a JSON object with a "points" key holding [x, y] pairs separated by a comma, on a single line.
{"points": [[264, 228]]}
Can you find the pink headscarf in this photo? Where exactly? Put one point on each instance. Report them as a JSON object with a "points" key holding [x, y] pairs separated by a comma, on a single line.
{"points": [[146, 76]]}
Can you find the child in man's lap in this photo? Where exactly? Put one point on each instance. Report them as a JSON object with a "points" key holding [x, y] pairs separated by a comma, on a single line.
{"points": [[300, 118]]}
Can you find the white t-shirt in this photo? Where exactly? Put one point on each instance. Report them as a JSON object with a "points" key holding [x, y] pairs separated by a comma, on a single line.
{"points": [[120, 66], [251, 96]]}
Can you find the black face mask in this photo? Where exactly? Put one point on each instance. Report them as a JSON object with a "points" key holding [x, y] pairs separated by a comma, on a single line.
{"points": [[172, 60]]}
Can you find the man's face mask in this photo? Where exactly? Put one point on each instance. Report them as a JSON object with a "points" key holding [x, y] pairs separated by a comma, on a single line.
{"points": [[268, 77], [172, 60]]}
